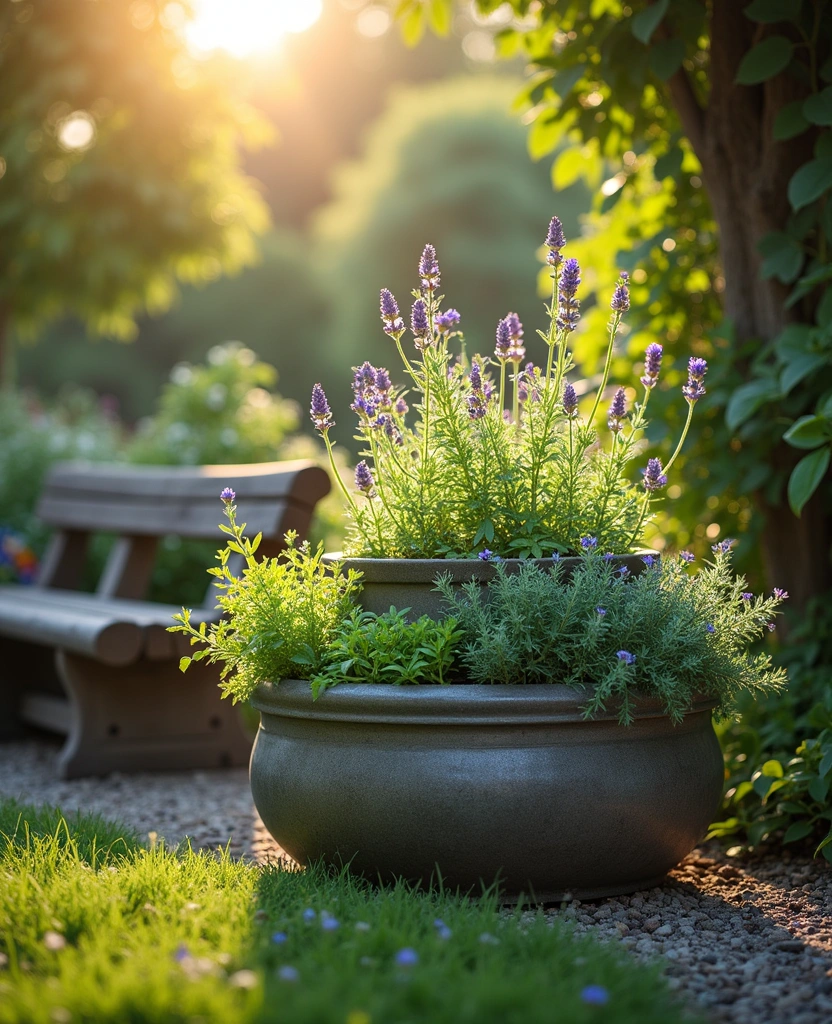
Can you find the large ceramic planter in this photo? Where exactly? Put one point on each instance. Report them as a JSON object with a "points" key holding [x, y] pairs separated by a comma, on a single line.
{"points": [[483, 781], [409, 582]]}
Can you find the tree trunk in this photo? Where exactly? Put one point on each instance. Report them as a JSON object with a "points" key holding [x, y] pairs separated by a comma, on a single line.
{"points": [[746, 174]]}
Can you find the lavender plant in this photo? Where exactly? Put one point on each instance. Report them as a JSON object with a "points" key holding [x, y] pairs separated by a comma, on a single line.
{"points": [[498, 452]]}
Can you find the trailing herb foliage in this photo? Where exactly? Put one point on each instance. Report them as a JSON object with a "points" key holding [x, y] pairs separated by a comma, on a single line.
{"points": [[500, 453], [386, 648], [664, 633], [281, 613]]}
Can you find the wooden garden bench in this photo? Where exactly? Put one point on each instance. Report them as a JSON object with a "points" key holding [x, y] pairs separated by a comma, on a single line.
{"points": [[102, 667]]}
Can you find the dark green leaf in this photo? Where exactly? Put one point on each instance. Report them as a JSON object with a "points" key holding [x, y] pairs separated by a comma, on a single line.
{"points": [[825, 764], [797, 369], [818, 788], [823, 314], [783, 256], [666, 57], [765, 60], [645, 23], [823, 146], [809, 182], [747, 399], [808, 432], [669, 164], [798, 830], [818, 108], [770, 11], [790, 121], [806, 477]]}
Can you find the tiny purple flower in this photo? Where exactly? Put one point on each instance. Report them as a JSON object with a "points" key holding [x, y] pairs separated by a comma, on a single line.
{"points": [[503, 345], [568, 304], [711, 628], [747, 595], [555, 238], [419, 323], [445, 321], [781, 595], [517, 351], [723, 547], [649, 560], [382, 381], [181, 953], [227, 495], [687, 557], [364, 478], [570, 401], [694, 389], [589, 543], [390, 314], [600, 611], [485, 555], [287, 973], [319, 410], [309, 914], [401, 406], [770, 626], [278, 938], [623, 571], [626, 657], [618, 411], [654, 478], [475, 376], [429, 268], [329, 924], [556, 556], [407, 957], [652, 365], [620, 301], [444, 933], [595, 995], [609, 557]]}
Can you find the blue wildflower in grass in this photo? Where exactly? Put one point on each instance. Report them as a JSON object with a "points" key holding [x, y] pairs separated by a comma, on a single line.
{"points": [[227, 495], [278, 938], [407, 957], [654, 478], [444, 933], [781, 595], [652, 365], [570, 401], [502, 346], [319, 410], [447, 321], [600, 611], [181, 953], [694, 389], [589, 543], [330, 924], [438, 922], [618, 412], [364, 478], [391, 317], [650, 560], [309, 914], [287, 973], [485, 555], [623, 571], [555, 241], [568, 304], [429, 269], [723, 547], [419, 323], [711, 628], [626, 657], [620, 301], [746, 595], [609, 557], [595, 995], [688, 557]]}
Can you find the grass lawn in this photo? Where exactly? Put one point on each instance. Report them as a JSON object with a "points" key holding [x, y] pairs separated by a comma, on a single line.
{"points": [[95, 926]]}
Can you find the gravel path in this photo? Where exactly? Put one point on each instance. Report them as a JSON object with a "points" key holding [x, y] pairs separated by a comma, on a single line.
{"points": [[748, 939]]}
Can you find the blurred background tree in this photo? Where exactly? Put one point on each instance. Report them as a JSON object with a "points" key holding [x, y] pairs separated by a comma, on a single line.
{"points": [[119, 154]]}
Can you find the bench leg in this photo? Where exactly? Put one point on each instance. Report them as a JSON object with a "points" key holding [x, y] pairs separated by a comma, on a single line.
{"points": [[23, 667], [147, 717]]}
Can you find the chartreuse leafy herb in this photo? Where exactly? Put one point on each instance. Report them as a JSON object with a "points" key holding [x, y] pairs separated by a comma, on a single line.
{"points": [[280, 614], [665, 632], [386, 648], [497, 452]]}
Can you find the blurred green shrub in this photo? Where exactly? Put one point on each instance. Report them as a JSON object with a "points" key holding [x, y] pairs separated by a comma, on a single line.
{"points": [[447, 164]]}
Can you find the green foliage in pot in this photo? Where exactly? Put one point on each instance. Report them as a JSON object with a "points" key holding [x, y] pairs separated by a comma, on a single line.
{"points": [[507, 461]]}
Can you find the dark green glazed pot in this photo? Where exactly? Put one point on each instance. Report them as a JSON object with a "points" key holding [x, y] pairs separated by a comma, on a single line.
{"points": [[409, 582], [484, 782]]}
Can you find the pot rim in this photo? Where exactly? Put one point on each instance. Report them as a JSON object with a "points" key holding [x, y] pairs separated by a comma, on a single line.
{"points": [[453, 704], [425, 570]]}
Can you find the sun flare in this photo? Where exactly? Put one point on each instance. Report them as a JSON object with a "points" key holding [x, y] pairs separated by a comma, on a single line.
{"points": [[245, 27]]}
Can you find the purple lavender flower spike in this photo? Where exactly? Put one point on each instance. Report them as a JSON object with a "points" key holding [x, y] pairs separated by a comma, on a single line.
{"points": [[568, 305], [687, 557], [649, 560], [320, 411], [429, 269], [609, 557], [589, 543], [447, 320], [485, 555], [419, 323], [781, 595], [746, 595], [401, 406], [475, 376], [503, 345], [652, 365], [618, 411], [517, 350], [364, 478], [694, 389], [600, 611], [570, 401], [382, 381], [723, 547], [626, 657], [620, 301], [555, 241], [364, 379], [654, 478], [390, 315], [227, 495]]}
